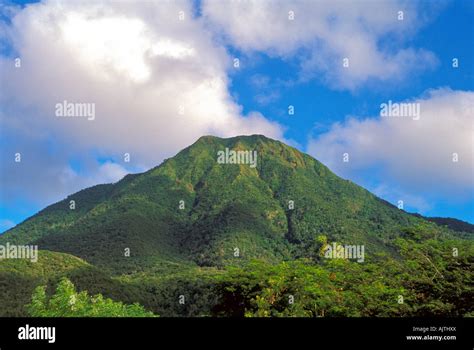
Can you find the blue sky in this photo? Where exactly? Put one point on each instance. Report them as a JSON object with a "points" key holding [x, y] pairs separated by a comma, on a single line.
{"points": [[336, 110], [449, 35]]}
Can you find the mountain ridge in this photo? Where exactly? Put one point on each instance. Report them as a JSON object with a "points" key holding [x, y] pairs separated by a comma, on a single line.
{"points": [[209, 139], [224, 207], [226, 233]]}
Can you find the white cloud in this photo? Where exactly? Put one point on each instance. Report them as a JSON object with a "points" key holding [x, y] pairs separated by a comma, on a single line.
{"points": [[416, 155], [45, 174], [111, 172], [323, 33], [96, 173], [158, 83]]}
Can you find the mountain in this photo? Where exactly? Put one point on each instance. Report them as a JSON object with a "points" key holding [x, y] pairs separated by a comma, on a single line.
{"points": [[198, 214], [226, 206]]}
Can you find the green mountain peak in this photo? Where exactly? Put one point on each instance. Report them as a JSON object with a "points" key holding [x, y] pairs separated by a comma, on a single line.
{"points": [[249, 194], [238, 224]]}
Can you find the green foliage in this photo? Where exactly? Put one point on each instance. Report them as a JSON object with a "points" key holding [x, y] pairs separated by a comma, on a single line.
{"points": [[430, 280], [66, 302], [191, 251], [18, 278]]}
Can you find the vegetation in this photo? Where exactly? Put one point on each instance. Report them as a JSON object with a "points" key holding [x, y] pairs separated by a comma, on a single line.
{"points": [[66, 302], [196, 238], [427, 282]]}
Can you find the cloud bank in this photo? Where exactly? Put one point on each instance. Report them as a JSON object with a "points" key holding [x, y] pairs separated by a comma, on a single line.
{"points": [[432, 155], [322, 34], [156, 76]]}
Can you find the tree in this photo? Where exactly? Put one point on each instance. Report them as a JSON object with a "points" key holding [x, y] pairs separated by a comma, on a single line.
{"points": [[66, 302]]}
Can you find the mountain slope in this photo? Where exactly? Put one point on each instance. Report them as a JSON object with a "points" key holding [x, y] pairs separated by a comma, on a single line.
{"points": [[231, 213], [453, 224], [19, 277]]}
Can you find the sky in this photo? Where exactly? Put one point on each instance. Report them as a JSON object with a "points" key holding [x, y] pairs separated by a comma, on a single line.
{"points": [[313, 74]]}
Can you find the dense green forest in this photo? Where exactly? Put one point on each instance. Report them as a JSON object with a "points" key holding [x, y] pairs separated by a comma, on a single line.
{"points": [[193, 237]]}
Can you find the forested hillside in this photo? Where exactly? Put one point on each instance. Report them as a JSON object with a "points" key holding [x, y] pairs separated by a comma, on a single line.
{"points": [[194, 237]]}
